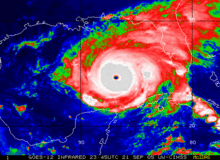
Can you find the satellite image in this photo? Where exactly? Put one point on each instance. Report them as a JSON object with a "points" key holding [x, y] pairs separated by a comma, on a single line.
{"points": [[119, 77]]}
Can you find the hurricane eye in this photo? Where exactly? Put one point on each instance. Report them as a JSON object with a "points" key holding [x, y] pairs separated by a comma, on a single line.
{"points": [[116, 77]]}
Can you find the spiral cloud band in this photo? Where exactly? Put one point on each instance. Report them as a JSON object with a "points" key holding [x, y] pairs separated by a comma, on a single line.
{"points": [[142, 55], [142, 58]]}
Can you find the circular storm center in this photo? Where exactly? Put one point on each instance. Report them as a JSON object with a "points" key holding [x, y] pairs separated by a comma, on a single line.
{"points": [[116, 77]]}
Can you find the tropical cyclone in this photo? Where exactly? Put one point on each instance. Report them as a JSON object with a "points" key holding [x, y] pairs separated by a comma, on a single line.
{"points": [[122, 65], [145, 50]]}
